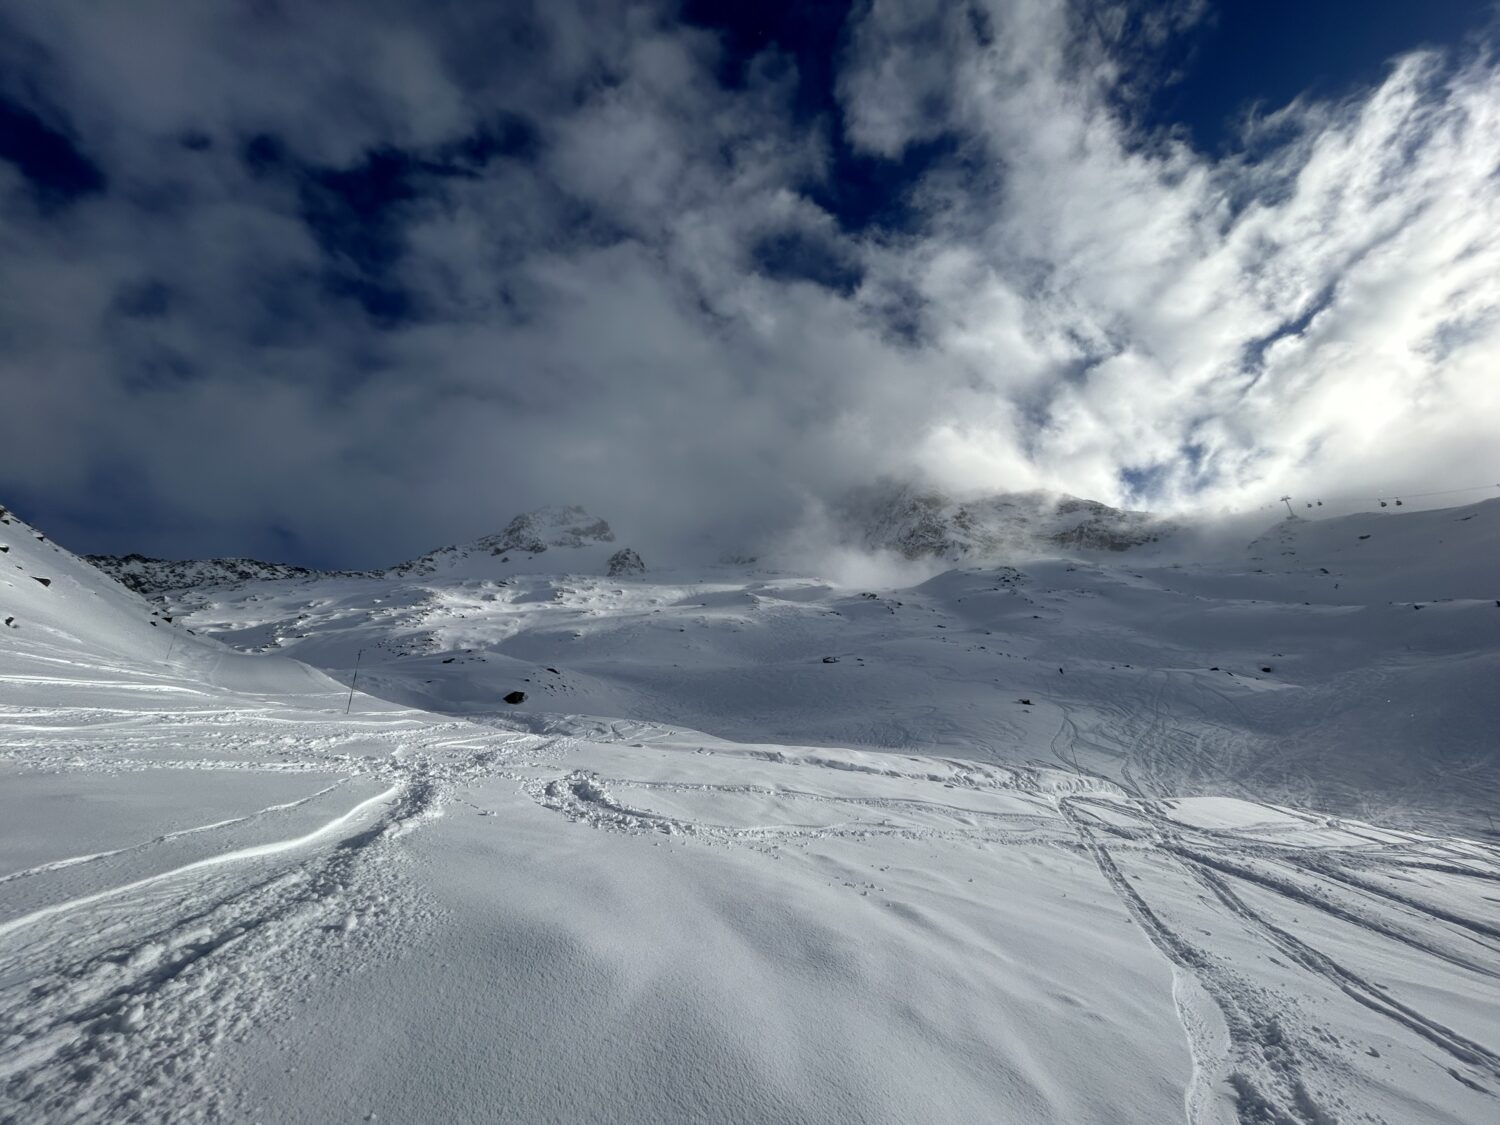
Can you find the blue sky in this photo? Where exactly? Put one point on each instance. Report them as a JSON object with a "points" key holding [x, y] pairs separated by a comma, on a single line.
{"points": [[336, 283]]}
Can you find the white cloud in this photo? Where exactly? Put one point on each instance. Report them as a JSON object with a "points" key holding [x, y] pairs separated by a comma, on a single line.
{"points": [[1185, 312], [595, 322]]}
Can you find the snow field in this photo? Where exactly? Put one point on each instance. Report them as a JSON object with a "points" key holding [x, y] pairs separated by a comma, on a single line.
{"points": [[703, 875]]}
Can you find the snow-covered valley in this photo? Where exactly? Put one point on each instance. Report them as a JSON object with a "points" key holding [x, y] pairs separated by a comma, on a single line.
{"points": [[1190, 831]]}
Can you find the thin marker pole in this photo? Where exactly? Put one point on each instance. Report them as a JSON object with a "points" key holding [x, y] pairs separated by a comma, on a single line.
{"points": [[353, 681], [170, 646]]}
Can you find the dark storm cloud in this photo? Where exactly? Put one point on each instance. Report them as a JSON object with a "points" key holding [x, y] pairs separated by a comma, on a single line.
{"points": [[352, 280]]}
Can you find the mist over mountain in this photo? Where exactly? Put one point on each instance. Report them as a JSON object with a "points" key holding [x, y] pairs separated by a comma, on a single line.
{"points": [[923, 524], [697, 266], [913, 524], [779, 563]]}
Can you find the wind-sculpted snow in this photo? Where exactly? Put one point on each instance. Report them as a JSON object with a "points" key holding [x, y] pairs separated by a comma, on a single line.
{"points": [[1066, 950], [1048, 886]]}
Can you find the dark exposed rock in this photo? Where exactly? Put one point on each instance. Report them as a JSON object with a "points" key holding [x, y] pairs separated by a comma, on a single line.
{"points": [[625, 561], [515, 697], [918, 523], [153, 576], [531, 533]]}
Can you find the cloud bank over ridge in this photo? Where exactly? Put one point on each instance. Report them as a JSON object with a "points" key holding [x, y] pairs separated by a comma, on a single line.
{"points": [[363, 278]]}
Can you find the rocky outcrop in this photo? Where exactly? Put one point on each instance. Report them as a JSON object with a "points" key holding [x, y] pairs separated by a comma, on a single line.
{"points": [[529, 534], [625, 562], [153, 576], [921, 524]]}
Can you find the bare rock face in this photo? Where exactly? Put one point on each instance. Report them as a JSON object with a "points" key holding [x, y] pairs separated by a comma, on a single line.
{"points": [[152, 576], [624, 562], [533, 532], [920, 524]]}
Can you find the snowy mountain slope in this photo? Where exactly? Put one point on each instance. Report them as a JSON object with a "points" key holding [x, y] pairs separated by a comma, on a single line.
{"points": [[920, 524], [60, 612], [585, 543], [231, 900], [53, 599], [1293, 669]]}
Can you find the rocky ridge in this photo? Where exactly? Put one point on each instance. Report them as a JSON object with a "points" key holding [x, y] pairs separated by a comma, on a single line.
{"points": [[924, 524], [149, 576]]}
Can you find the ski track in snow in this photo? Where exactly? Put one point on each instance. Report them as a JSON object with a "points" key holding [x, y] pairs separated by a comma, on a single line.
{"points": [[1322, 968], [156, 982], [1270, 1052], [107, 997]]}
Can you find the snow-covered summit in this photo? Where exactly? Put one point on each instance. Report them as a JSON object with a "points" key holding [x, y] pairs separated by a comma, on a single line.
{"points": [[922, 524], [529, 535]]}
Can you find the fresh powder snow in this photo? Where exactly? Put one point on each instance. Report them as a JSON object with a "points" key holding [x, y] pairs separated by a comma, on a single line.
{"points": [[1091, 818]]}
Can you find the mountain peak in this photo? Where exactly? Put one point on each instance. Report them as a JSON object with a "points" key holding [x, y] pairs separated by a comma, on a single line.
{"points": [[533, 532], [529, 534]]}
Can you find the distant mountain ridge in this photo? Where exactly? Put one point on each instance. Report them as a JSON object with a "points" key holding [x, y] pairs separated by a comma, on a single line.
{"points": [[913, 522], [530, 533], [148, 576], [527, 537], [925, 524]]}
